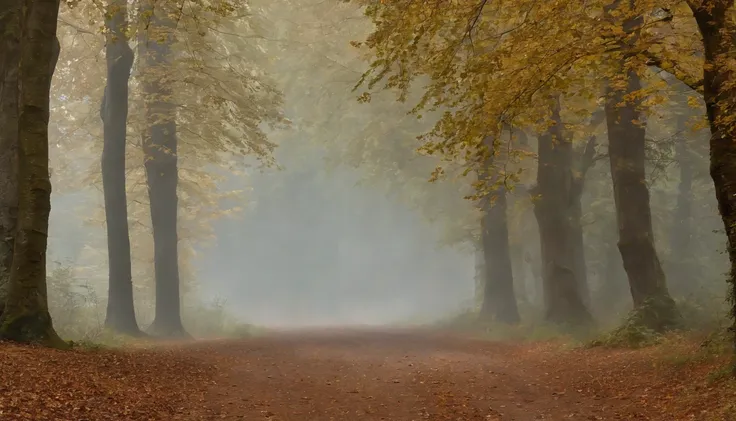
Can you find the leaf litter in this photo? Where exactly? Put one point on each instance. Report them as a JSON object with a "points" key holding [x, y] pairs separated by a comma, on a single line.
{"points": [[361, 376]]}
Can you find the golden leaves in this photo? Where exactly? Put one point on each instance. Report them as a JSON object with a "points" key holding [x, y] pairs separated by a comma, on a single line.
{"points": [[491, 65]]}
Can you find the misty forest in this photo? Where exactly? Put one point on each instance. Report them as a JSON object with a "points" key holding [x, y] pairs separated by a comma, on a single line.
{"points": [[363, 209]]}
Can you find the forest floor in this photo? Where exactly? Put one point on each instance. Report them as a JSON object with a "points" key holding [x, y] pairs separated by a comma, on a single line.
{"points": [[355, 374]]}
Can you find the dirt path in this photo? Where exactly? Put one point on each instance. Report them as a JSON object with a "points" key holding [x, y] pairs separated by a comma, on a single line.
{"points": [[351, 375], [385, 376]]}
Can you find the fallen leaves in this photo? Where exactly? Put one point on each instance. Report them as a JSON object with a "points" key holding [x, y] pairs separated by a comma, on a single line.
{"points": [[96, 385], [356, 376]]}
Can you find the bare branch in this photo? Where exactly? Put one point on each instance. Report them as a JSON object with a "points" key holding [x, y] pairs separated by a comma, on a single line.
{"points": [[76, 27]]}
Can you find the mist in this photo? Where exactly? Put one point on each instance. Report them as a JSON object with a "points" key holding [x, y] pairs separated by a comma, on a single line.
{"points": [[312, 205], [315, 248], [337, 209]]}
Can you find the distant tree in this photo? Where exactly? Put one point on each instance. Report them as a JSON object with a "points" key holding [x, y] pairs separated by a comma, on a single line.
{"points": [[114, 115], [222, 102], [499, 299], [556, 206], [156, 38]]}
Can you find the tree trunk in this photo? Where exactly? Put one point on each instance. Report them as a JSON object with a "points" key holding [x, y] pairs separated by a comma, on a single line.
{"points": [[9, 62], [26, 317], [578, 245], [654, 308], [555, 209], [612, 294], [536, 281], [717, 29], [517, 268], [160, 150], [479, 278], [683, 279], [586, 158], [499, 299], [114, 114]]}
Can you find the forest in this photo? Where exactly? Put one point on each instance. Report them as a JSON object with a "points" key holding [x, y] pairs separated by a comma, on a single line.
{"points": [[362, 209]]}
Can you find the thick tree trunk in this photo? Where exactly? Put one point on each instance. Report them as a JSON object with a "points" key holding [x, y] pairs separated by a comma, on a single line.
{"points": [[653, 305], [9, 62], [499, 299], [683, 280], [26, 317], [717, 29], [160, 150], [555, 209], [114, 114]]}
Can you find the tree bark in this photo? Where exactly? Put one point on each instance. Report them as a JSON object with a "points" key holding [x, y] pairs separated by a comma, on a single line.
{"points": [[517, 268], [9, 62], [499, 299], [586, 158], [683, 279], [114, 114], [718, 33], [613, 291], [654, 308], [160, 150], [26, 317], [578, 245], [555, 204]]}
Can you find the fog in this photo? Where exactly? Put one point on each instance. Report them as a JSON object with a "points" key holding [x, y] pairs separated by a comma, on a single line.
{"points": [[312, 247], [325, 252], [309, 207]]}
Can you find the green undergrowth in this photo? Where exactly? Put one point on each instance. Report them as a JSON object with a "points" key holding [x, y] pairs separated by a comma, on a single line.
{"points": [[692, 315], [629, 335], [529, 330], [78, 315], [106, 339], [710, 346]]}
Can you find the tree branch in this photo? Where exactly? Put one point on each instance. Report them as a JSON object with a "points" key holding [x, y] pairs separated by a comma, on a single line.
{"points": [[588, 157], [693, 82], [76, 27]]}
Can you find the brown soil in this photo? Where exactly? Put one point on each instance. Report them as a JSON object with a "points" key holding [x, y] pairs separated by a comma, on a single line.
{"points": [[391, 375]]}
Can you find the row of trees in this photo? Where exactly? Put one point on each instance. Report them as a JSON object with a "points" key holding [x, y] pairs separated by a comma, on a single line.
{"points": [[502, 72], [380, 139], [183, 90], [186, 65]]}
